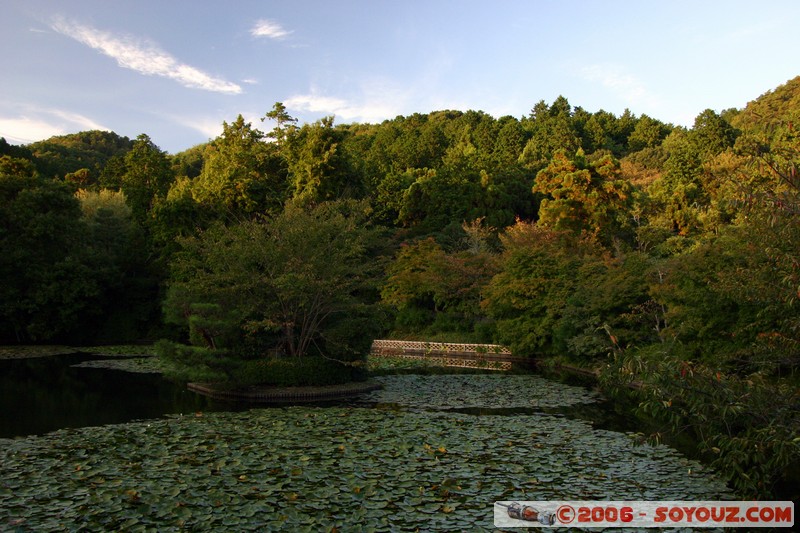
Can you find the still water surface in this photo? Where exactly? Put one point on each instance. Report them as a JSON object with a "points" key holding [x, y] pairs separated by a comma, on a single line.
{"points": [[42, 394], [423, 453]]}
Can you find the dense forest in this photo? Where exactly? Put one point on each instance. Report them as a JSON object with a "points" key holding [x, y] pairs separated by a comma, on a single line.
{"points": [[664, 256]]}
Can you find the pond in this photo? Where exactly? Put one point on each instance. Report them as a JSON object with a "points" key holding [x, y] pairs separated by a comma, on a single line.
{"points": [[41, 394], [428, 452]]}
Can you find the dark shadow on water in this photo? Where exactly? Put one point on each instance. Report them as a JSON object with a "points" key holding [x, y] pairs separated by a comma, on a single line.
{"points": [[602, 414], [43, 394]]}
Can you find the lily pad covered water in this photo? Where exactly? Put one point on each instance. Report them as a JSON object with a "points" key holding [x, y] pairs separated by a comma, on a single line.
{"points": [[315, 469], [484, 391]]}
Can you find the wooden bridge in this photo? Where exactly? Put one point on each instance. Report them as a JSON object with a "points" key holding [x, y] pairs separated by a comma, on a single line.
{"points": [[483, 356]]}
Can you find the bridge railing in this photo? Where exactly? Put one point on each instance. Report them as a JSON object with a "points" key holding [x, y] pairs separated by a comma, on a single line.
{"points": [[438, 347], [490, 356]]}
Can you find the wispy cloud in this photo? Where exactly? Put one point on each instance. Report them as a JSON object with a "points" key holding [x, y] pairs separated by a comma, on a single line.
{"points": [[270, 29], [211, 125], [28, 124], [75, 119], [618, 81], [369, 111], [143, 57], [376, 99], [24, 129], [373, 100]]}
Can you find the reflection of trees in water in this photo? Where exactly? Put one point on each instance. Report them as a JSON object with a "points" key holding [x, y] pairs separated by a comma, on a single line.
{"points": [[47, 393]]}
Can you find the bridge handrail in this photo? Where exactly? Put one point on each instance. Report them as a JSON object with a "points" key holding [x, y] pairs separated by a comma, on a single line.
{"points": [[488, 349]]}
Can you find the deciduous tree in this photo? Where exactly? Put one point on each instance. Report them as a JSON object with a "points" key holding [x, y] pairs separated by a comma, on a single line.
{"points": [[294, 285], [584, 195]]}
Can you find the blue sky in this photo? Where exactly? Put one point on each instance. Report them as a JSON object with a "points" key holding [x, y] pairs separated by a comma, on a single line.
{"points": [[176, 69]]}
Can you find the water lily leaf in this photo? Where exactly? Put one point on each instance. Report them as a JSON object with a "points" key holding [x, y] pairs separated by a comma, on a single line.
{"points": [[285, 469]]}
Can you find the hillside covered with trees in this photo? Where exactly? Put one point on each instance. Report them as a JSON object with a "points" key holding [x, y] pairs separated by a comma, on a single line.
{"points": [[660, 255]]}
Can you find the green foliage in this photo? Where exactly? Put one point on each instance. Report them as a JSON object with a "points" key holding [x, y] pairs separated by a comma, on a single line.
{"points": [[509, 142], [114, 202], [389, 196], [746, 425], [504, 196], [770, 116], [189, 163], [584, 195], [438, 198], [196, 363], [148, 175], [712, 134], [71, 260], [298, 284], [648, 133], [527, 298], [91, 150], [48, 283], [14, 151], [434, 199], [318, 170], [610, 308], [552, 129], [178, 216], [242, 175], [291, 372], [284, 124], [731, 294], [113, 252], [700, 312], [680, 198], [435, 291], [649, 237]]}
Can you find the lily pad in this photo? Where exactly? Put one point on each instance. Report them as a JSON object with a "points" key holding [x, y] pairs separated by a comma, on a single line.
{"points": [[140, 365], [478, 391], [27, 352], [402, 469]]}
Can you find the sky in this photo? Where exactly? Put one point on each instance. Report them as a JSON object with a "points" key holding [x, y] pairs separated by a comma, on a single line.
{"points": [[176, 69]]}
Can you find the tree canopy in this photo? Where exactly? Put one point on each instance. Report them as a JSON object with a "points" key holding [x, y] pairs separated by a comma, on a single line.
{"points": [[296, 284], [661, 254]]}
